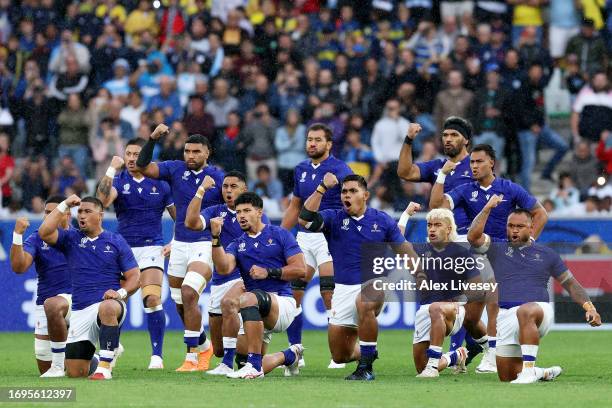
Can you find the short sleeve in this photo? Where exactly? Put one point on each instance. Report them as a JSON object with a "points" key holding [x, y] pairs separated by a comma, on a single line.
{"points": [[522, 198], [345, 170], [116, 183], [30, 245], [455, 196], [206, 214], [231, 248], [290, 245], [428, 170], [557, 266], [168, 199], [63, 238], [328, 218], [126, 256], [166, 168], [296, 184]]}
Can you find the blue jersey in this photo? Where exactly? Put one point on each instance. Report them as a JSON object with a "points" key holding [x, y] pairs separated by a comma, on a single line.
{"points": [[472, 197], [453, 263], [139, 206], [230, 231], [307, 176], [461, 175], [184, 184], [51, 268], [97, 264], [346, 235], [269, 249], [523, 272]]}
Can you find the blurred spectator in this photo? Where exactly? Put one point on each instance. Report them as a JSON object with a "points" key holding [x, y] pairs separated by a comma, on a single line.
{"points": [[7, 167], [453, 101], [67, 179], [427, 46], [37, 115], [564, 24], [289, 97], [197, 120], [574, 79], [172, 23], [389, 133], [112, 118], [583, 168], [167, 100], [119, 84], [72, 81], [455, 9], [526, 13], [326, 114], [221, 103], [590, 206], [531, 50], [588, 47], [34, 180], [530, 117], [75, 123], [565, 195], [266, 185], [360, 158], [226, 155], [69, 48], [132, 112], [105, 147], [592, 109], [140, 20], [256, 140], [604, 151], [290, 142]]}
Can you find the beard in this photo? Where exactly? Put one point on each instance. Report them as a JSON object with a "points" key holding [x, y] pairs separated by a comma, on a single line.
{"points": [[316, 155], [452, 151]]}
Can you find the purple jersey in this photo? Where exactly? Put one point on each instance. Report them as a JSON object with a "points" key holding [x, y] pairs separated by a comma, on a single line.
{"points": [[97, 264], [140, 205], [184, 184], [269, 249], [307, 176], [472, 197], [346, 235], [461, 175], [230, 231], [51, 268], [453, 256], [523, 272]]}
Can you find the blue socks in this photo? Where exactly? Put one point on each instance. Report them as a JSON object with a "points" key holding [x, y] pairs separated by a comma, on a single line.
{"points": [[229, 351], [456, 339], [255, 360], [156, 323], [294, 331], [289, 357], [109, 341]]}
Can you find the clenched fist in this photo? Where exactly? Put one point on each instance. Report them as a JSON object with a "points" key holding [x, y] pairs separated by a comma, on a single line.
{"points": [[413, 130], [160, 130], [448, 167], [208, 183], [215, 226], [21, 224], [117, 163], [257, 272], [494, 201], [73, 201], [330, 180], [412, 208]]}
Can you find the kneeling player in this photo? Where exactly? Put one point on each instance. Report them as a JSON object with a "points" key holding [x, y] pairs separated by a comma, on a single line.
{"points": [[53, 294], [523, 269], [268, 258], [97, 259]]}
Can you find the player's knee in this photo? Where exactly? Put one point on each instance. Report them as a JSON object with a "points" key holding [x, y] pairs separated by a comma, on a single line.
{"points": [[435, 311], [42, 350], [247, 299], [53, 306], [175, 294], [192, 287], [229, 305], [151, 301], [527, 313], [108, 309], [340, 356], [189, 296], [151, 295]]}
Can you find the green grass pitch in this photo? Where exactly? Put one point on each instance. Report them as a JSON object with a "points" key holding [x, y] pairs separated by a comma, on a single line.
{"points": [[585, 356]]}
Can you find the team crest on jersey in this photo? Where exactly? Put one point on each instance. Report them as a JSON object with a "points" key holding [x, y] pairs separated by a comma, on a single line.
{"points": [[154, 191], [185, 175], [303, 178], [466, 173], [345, 224], [126, 188], [45, 246], [313, 176], [242, 247], [509, 251], [83, 242], [375, 228], [474, 196], [270, 242], [108, 249]]}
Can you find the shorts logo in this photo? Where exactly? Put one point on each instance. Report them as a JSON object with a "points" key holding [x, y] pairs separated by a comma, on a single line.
{"points": [[126, 189], [474, 196], [242, 247], [185, 175], [345, 224], [509, 251], [303, 178]]}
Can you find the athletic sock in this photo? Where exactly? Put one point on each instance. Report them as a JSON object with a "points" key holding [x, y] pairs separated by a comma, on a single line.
{"points": [[483, 342], [241, 360], [156, 324], [229, 351], [255, 360], [469, 339], [492, 342], [203, 342], [294, 331], [530, 352], [191, 340], [289, 357], [456, 339], [58, 348], [451, 358], [434, 353], [368, 354], [109, 341]]}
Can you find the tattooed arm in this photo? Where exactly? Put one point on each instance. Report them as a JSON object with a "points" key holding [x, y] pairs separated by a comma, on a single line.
{"points": [[106, 192]]}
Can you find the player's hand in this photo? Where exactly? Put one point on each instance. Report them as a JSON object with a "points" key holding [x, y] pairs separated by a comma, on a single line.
{"points": [[448, 167], [257, 272], [111, 294], [330, 180], [21, 224], [215, 226], [73, 201], [494, 201], [117, 163], [166, 250], [160, 130], [412, 208], [593, 318], [413, 130], [208, 183]]}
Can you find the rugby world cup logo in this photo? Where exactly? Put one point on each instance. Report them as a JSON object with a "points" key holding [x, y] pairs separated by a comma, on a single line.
{"points": [[83, 242], [242, 247], [126, 188], [509, 251], [474, 196], [345, 224], [185, 175], [223, 214], [303, 178]]}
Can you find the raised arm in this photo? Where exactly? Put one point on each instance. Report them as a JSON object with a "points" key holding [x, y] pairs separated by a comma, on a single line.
{"points": [[309, 216], [20, 259], [48, 229], [224, 263], [408, 212], [540, 218], [406, 169], [476, 236], [579, 295], [143, 163], [106, 192], [437, 198], [192, 218], [292, 213]]}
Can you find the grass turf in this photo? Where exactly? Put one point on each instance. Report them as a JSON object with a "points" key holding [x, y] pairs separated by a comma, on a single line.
{"points": [[585, 356]]}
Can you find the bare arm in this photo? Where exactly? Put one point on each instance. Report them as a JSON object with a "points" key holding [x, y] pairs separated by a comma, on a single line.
{"points": [[106, 192], [295, 268], [579, 295], [540, 217], [20, 259], [192, 218], [291, 214], [437, 198], [224, 263], [476, 236], [574, 121], [406, 169], [132, 281]]}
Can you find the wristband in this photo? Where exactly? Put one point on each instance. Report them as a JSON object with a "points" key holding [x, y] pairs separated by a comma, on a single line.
{"points": [[441, 178], [110, 172], [588, 306], [17, 239], [321, 190], [408, 140], [215, 241], [122, 293], [62, 207], [403, 221], [274, 273], [323, 186]]}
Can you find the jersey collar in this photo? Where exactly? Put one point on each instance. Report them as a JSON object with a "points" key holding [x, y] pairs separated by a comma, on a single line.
{"points": [[316, 166]]}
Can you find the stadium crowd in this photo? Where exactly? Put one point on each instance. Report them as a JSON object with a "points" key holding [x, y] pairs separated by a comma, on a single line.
{"points": [[78, 79]]}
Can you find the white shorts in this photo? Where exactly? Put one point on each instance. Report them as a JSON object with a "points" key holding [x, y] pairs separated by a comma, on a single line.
{"points": [[343, 308], [287, 310], [40, 324], [149, 257], [216, 295], [558, 38], [508, 329], [314, 247], [184, 253], [422, 323], [84, 324]]}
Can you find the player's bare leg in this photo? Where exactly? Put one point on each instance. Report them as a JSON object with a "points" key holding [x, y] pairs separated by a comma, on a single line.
{"points": [[343, 343], [294, 331], [56, 309], [151, 285], [109, 313], [215, 322]]}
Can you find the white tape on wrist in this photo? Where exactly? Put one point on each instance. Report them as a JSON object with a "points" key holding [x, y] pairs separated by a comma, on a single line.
{"points": [[17, 239], [110, 172], [441, 178], [403, 221], [200, 196], [122, 293], [62, 207]]}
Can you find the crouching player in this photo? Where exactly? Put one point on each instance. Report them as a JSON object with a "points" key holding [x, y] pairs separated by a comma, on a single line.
{"points": [[522, 269], [443, 312], [268, 258], [353, 329], [97, 260], [53, 294]]}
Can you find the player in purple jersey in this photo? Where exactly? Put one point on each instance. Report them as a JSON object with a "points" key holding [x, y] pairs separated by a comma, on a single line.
{"points": [[523, 269], [353, 328], [53, 293], [139, 204], [472, 197], [98, 260], [190, 266], [268, 258], [308, 175]]}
